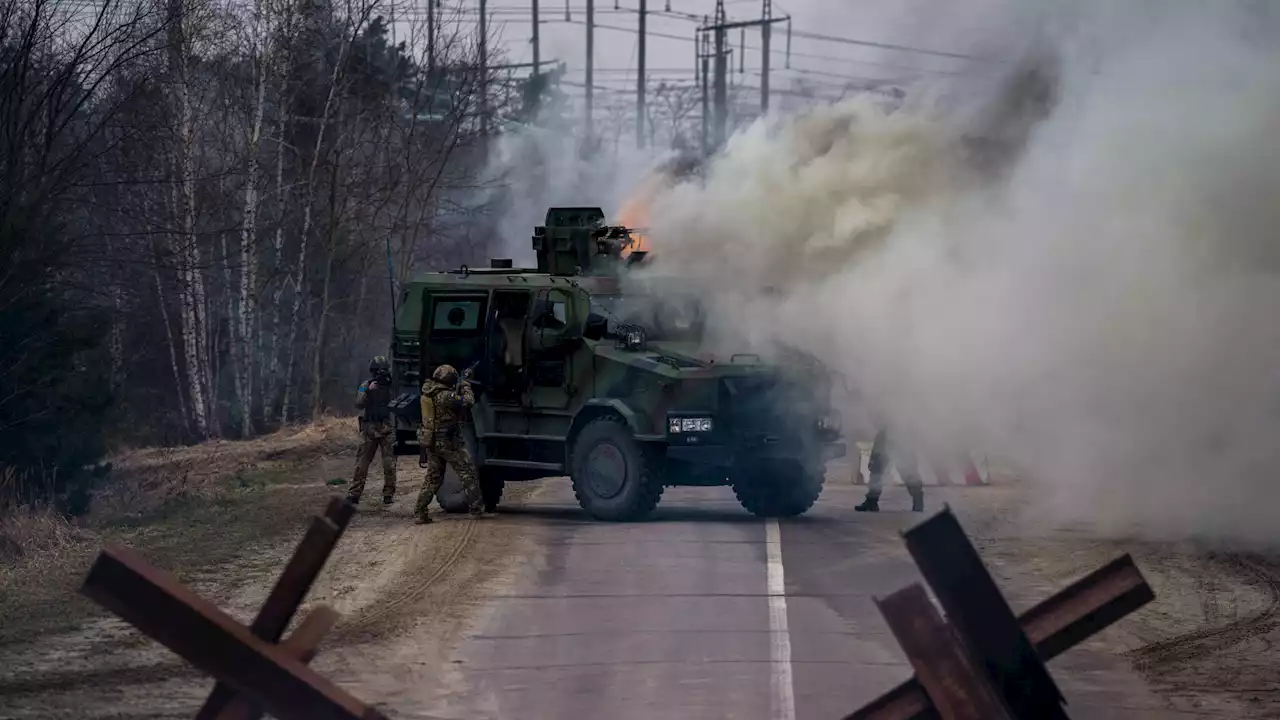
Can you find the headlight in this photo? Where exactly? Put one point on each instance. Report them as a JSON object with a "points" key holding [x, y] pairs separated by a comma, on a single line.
{"points": [[689, 424]]}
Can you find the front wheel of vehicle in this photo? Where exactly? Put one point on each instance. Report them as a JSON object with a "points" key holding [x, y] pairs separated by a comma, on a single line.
{"points": [[777, 489], [612, 478]]}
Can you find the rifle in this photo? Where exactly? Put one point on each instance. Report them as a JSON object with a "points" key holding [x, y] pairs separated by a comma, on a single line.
{"points": [[466, 374]]}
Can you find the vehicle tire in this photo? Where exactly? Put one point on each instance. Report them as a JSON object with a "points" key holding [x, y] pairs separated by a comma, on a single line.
{"points": [[612, 478], [777, 489], [491, 486], [450, 496]]}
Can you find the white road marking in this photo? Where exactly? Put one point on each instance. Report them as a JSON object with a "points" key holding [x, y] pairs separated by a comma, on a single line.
{"points": [[783, 695]]}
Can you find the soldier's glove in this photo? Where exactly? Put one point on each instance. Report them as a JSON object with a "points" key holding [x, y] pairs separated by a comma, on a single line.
{"points": [[466, 374]]}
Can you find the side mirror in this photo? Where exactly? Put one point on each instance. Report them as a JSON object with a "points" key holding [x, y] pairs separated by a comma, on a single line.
{"points": [[596, 328]]}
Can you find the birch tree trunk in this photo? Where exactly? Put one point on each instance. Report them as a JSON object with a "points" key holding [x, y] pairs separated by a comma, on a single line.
{"points": [[271, 369], [173, 349], [191, 282], [270, 396], [243, 341]]}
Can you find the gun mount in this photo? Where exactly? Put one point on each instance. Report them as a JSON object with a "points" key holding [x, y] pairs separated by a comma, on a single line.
{"points": [[576, 241]]}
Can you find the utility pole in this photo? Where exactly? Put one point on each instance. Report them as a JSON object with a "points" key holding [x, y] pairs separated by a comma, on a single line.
{"points": [[720, 27], [483, 41], [536, 65], [766, 28], [431, 36], [704, 61], [722, 110], [591, 63], [640, 80]]}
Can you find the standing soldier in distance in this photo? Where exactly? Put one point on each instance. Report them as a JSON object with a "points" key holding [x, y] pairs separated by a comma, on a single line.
{"points": [[377, 432], [886, 455], [445, 400]]}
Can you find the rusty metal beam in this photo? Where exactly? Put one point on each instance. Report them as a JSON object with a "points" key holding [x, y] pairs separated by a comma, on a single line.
{"points": [[290, 589], [157, 604], [302, 645], [956, 687], [1084, 608], [979, 614]]}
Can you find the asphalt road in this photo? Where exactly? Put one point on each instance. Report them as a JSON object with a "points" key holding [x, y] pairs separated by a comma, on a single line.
{"points": [[674, 618]]}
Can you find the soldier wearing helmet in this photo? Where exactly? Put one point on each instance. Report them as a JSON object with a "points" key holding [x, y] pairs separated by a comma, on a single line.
{"points": [[377, 431], [445, 401]]}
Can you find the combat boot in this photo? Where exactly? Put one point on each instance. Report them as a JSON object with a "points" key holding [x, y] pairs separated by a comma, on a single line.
{"points": [[353, 499], [917, 500], [422, 519], [871, 504], [388, 499]]}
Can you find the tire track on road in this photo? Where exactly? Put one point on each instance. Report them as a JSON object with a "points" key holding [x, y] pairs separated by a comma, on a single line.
{"points": [[1209, 641], [382, 610]]}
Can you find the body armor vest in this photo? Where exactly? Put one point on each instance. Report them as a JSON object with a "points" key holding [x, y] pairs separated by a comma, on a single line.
{"points": [[376, 402]]}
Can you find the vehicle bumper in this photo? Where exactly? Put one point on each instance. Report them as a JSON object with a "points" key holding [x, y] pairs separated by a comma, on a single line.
{"points": [[728, 455]]}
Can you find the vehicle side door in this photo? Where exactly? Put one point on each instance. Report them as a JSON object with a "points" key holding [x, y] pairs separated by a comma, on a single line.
{"points": [[453, 329], [554, 332]]}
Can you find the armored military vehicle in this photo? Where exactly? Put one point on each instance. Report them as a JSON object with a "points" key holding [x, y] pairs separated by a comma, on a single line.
{"points": [[576, 377]]}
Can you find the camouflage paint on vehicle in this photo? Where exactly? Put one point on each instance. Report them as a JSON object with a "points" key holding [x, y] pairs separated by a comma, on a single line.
{"points": [[576, 367]]}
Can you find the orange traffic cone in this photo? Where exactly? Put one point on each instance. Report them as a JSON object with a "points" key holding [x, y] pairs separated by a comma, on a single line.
{"points": [[971, 474]]}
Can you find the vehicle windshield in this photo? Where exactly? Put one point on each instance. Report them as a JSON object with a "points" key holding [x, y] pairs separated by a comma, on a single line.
{"points": [[663, 318]]}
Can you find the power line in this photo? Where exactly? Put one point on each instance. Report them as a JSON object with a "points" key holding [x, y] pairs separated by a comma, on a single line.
{"points": [[882, 46], [778, 53]]}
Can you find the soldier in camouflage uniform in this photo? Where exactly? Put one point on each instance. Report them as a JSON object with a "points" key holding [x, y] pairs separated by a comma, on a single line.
{"points": [[445, 401], [377, 432], [883, 457]]}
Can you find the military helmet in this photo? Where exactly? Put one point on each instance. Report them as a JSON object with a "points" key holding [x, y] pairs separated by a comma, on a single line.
{"points": [[445, 374], [380, 364]]}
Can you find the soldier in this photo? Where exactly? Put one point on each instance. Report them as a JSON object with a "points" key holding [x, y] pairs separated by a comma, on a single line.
{"points": [[445, 399], [883, 457], [377, 431]]}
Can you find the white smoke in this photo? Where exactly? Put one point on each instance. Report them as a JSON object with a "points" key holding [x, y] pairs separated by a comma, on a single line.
{"points": [[546, 163], [1099, 308]]}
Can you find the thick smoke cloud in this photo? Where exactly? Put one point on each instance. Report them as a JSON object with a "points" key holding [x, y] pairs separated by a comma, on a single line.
{"points": [[1075, 267], [546, 163]]}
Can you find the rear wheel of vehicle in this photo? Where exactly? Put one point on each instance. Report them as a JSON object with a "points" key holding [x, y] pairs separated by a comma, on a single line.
{"points": [[777, 489], [612, 478], [491, 486]]}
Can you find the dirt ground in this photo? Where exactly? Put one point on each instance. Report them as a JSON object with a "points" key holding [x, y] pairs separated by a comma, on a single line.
{"points": [[1209, 642], [403, 590], [407, 593]]}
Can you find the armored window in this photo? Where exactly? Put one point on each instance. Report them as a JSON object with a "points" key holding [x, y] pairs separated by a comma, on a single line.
{"points": [[456, 317], [556, 319]]}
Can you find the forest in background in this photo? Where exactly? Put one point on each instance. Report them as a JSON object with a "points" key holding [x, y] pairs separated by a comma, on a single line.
{"points": [[205, 205]]}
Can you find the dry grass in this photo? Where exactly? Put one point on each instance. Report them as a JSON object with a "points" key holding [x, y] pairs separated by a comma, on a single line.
{"points": [[36, 537], [186, 509], [146, 479]]}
